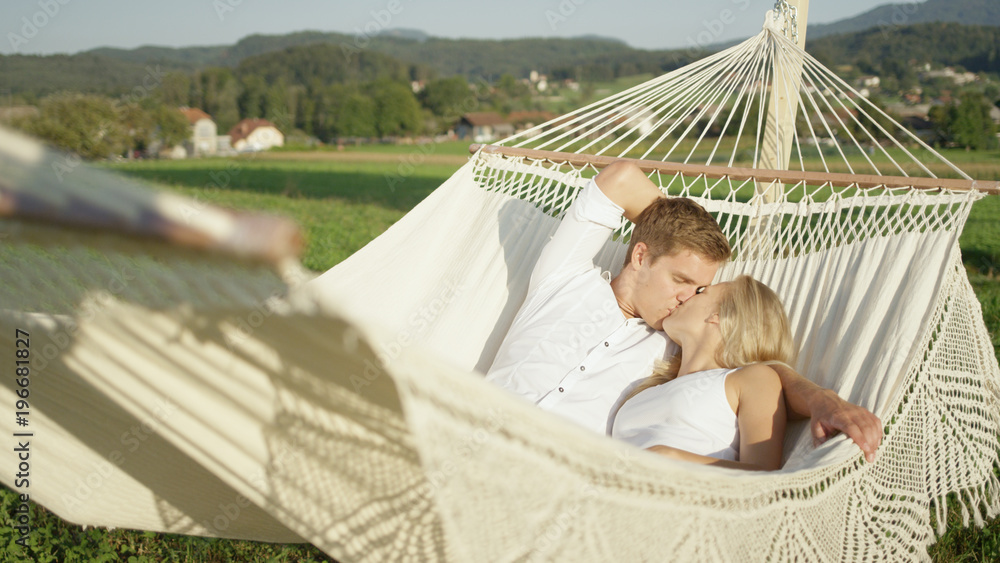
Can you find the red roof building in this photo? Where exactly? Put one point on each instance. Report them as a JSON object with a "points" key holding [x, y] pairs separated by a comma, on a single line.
{"points": [[255, 134]]}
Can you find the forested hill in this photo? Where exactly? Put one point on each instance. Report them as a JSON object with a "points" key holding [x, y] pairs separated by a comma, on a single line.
{"points": [[326, 64], [221, 55], [895, 50], [968, 12], [111, 70], [299, 58], [470, 57], [36, 75], [582, 59]]}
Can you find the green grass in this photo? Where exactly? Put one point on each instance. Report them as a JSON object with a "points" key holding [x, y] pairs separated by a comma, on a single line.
{"points": [[448, 147], [341, 205]]}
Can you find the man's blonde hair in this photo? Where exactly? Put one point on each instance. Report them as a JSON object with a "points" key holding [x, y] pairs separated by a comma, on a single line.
{"points": [[754, 328], [669, 225]]}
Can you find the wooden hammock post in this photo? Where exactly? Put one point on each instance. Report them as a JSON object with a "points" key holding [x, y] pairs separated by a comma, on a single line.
{"points": [[783, 104], [782, 109]]}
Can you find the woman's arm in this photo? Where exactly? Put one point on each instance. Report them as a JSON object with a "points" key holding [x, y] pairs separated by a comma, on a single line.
{"points": [[684, 455], [760, 413]]}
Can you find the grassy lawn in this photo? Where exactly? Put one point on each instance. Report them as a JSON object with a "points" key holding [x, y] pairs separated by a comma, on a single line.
{"points": [[343, 199]]}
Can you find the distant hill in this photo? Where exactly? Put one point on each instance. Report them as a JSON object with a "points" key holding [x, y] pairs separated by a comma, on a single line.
{"points": [[188, 58], [308, 55], [325, 64], [412, 46], [894, 50], [474, 58], [193, 58], [968, 12], [489, 59], [414, 34], [90, 73]]}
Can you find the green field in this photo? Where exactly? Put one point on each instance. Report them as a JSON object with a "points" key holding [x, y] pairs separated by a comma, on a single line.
{"points": [[343, 199]]}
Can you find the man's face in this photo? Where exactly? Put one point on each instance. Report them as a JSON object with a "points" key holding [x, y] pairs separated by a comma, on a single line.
{"points": [[665, 282]]}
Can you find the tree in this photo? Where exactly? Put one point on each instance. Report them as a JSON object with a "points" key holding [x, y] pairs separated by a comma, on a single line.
{"points": [[305, 110], [448, 97], [397, 111], [90, 126], [176, 89], [217, 91], [356, 116], [172, 127], [138, 125], [275, 107], [509, 92], [251, 100], [966, 123]]}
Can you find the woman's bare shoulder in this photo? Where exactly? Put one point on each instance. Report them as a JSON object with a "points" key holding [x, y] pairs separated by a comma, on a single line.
{"points": [[756, 376]]}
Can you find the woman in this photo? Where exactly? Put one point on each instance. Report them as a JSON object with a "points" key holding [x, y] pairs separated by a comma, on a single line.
{"points": [[716, 402]]}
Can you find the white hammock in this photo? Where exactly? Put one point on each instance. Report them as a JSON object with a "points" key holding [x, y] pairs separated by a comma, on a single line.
{"points": [[347, 412]]}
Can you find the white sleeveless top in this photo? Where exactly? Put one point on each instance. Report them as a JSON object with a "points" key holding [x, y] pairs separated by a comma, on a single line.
{"points": [[690, 412]]}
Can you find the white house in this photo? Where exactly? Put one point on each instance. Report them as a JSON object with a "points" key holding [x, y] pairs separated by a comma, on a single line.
{"points": [[483, 127], [204, 133], [255, 135]]}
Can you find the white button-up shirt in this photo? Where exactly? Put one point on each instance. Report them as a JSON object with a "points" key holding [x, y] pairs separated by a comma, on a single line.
{"points": [[570, 348]]}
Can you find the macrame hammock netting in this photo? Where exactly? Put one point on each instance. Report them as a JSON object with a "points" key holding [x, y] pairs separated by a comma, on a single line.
{"points": [[196, 380]]}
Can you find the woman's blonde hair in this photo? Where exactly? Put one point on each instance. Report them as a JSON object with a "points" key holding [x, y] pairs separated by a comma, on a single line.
{"points": [[754, 328]]}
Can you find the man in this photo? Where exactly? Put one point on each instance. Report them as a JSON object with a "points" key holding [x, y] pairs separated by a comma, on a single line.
{"points": [[579, 342]]}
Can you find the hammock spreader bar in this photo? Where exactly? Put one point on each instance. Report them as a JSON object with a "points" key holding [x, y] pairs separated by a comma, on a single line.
{"points": [[756, 174]]}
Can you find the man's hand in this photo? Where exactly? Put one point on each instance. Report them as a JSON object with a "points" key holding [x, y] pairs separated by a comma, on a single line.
{"points": [[831, 414]]}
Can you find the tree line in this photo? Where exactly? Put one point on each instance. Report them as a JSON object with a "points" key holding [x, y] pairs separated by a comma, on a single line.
{"points": [[331, 92], [314, 90]]}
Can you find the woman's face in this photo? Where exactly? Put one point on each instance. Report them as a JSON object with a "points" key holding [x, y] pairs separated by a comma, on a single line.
{"points": [[697, 313]]}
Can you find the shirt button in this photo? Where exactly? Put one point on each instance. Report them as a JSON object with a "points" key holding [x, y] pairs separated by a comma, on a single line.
{"points": [[583, 368], [606, 345], [561, 390]]}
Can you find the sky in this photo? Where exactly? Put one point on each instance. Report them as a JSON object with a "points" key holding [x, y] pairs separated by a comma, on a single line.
{"points": [[71, 26]]}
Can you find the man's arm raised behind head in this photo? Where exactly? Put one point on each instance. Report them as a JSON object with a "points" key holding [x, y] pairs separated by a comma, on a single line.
{"points": [[625, 184]]}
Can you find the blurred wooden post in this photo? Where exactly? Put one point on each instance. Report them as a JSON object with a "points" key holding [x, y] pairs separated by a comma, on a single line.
{"points": [[783, 106], [779, 131]]}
